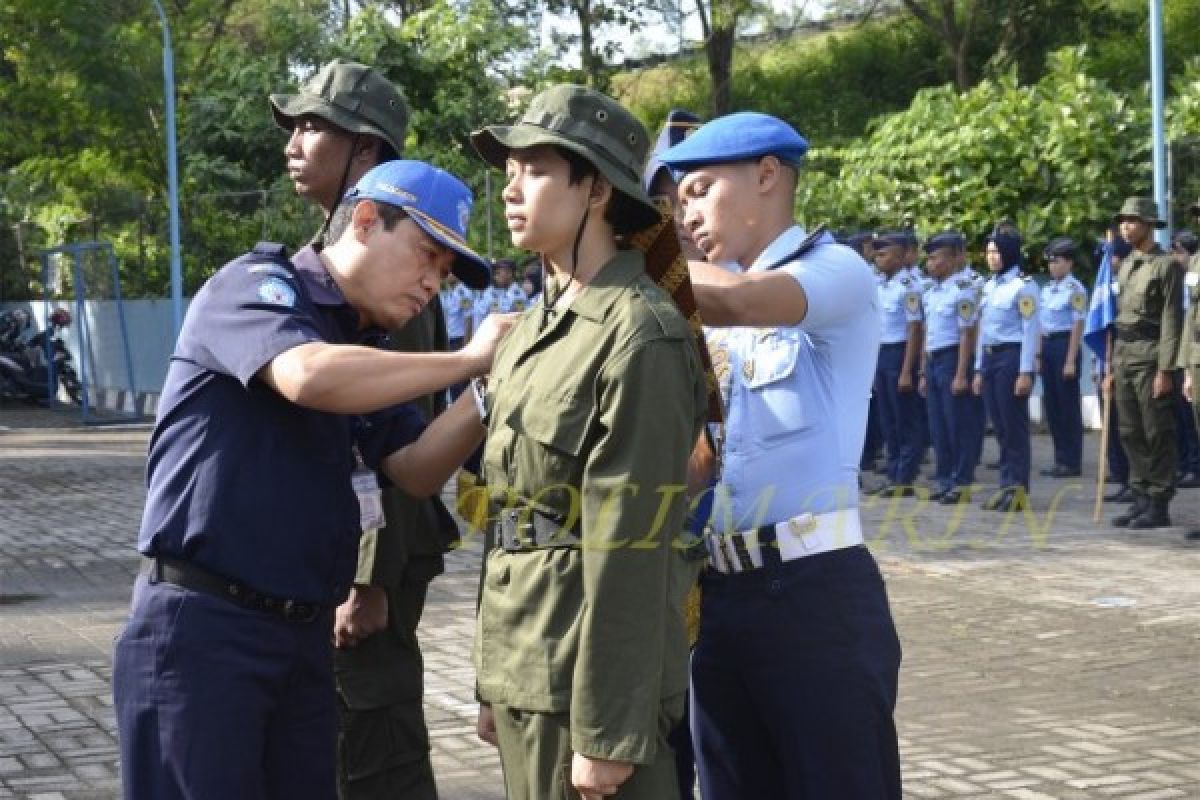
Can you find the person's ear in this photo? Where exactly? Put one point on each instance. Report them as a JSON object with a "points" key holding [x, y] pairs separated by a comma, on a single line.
{"points": [[600, 192], [365, 216], [368, 149], [770, 173]]}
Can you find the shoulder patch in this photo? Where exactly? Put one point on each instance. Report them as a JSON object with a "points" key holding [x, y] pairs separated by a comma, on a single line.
{"points": [[966, 309], [1078, 301], [912, 301], [274, 291], [1026, 305]]}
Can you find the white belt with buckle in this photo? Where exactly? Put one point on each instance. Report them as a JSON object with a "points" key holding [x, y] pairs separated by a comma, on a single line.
{"points": [[798, 537]]}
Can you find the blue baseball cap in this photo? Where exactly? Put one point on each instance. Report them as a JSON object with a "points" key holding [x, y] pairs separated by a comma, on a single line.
{"points": [[952, 239], [737, 137], [679, 125], [436, 201]]}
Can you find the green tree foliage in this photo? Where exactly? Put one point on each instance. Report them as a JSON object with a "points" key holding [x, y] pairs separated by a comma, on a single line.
{"points": [[1056, 156]]}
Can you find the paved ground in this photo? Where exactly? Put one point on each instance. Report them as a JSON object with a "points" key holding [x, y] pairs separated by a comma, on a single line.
{"points": [[1045, 657]]}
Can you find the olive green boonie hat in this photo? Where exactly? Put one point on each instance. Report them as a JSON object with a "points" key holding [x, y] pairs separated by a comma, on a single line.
{"points": [[1140, 208], [589, 124], [352, 96]]}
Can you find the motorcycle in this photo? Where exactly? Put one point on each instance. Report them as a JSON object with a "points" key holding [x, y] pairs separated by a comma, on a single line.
{"points": [[25, 365]]}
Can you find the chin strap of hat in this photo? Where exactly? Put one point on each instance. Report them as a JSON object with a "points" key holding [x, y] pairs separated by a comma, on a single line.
{"points": [[341, 190], [548, 307]]}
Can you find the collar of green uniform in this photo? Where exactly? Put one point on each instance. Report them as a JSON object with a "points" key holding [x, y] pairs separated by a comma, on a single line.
{"points": [[608, 285]]}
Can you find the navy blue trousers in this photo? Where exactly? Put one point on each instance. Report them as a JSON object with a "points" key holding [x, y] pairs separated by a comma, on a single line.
{"points": [[216, 701], [794, 682], [1009, 413], [873, 440], [955, 421], [900, 417], [1061, 402]]}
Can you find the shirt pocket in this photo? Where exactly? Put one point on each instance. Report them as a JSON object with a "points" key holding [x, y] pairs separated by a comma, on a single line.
{"points": [[551, 437], [775, 406]]}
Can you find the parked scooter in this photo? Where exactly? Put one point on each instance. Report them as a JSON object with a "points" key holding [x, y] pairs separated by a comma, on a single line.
{"points": [[25, 364]]}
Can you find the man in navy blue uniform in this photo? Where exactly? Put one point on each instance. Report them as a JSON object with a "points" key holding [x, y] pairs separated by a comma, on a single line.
{"points": [[794, 675], [273, 421]]}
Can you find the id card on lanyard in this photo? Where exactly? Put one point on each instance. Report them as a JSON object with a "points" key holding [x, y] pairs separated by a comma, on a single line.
{"points": [[370, 496]]}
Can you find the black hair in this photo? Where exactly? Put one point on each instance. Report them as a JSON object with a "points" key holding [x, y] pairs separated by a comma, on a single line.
{"points": [[620, 211], [344, 213]]}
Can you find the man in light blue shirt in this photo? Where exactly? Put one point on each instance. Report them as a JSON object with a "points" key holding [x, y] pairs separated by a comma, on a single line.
{"points": [[951, 311], [1004, 363], [782, 708], [900, 407]]}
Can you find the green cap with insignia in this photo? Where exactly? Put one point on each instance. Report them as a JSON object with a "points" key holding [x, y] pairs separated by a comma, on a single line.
{"points": [[589, 124], [1143, 209], [352, 96]]}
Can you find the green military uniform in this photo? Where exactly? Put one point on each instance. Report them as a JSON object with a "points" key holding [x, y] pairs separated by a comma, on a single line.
{"points": [[1189, 343], [1148, 322], [593, 410], [383, 742]]}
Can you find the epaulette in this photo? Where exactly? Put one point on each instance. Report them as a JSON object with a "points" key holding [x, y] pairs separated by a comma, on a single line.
{"points": [[809, 243], [270, 250], [963, 283]]}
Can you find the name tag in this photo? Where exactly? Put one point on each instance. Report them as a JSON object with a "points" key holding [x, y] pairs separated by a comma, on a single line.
{"points": [[1116, 288], [370, 499], [1192, 278]]}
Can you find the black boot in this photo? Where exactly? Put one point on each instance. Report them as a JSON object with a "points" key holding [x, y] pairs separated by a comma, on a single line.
{"points": [[1154, 515], [1015, 499], [1140, 502], [1122, 495]]}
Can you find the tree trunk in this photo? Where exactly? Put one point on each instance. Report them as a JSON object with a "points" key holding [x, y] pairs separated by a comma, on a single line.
{"points": [[718, 47]]}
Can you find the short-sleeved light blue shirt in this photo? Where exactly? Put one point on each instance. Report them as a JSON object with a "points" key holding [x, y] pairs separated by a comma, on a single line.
{"points": [[951, 305], [1063, 303], [797, 395], [1008, 313], [899, 304]]}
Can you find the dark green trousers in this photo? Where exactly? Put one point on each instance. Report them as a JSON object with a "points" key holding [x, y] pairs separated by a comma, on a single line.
{"points": [[535, 751], [1146, 428], [383, 742]]}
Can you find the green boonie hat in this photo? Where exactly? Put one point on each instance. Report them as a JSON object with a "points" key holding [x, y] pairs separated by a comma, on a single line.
{"points": [[1141, 208], [589, 124], [352, 96]]}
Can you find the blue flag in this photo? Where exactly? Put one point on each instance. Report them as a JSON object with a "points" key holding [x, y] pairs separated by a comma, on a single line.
{"points": [[1103, 310]]}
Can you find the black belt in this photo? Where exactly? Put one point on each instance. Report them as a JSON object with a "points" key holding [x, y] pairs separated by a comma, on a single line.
{"points": [[189, 576], [1137, 334], [1002, 347], [525, 530], [1056, 335]]}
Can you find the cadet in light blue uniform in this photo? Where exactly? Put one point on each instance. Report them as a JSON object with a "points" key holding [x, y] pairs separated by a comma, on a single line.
{"points": [[900, 407], [1064, 303], [1004, 363], [951, 307], [795, 672]]}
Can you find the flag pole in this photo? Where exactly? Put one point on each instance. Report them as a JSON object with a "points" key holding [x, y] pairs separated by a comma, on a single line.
{"points": [[1106, 403]]}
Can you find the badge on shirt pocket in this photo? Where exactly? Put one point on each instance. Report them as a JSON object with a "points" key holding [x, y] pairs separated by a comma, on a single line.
{"points": [[1026, 306], [370, 498]]}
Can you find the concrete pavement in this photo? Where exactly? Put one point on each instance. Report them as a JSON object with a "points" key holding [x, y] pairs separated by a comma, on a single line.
{"points": [[1044, 656]]}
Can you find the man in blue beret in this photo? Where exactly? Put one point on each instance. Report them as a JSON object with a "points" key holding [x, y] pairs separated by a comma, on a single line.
{"points": [[781, 707], [900, 406]]}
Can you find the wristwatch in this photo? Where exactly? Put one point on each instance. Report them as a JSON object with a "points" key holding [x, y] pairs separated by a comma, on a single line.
{"points": [[479, 392]]}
